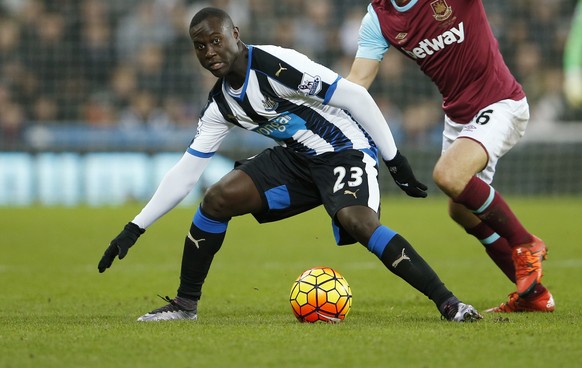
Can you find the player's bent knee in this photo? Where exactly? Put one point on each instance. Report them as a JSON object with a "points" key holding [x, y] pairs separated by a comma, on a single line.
{"points": [[360, 228], [225, 200], [215, 202], [447, 180], [440, 177]]}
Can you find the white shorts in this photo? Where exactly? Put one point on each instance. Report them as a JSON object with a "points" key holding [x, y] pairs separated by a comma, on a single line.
{"points": [[497, 127]]}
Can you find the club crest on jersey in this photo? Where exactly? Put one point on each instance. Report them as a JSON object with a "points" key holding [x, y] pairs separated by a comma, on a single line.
{"points": [[269, 104], [310, 85], [442, 11]]}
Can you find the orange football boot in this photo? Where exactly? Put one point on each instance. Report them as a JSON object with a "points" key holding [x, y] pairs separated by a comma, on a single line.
{"points": [[527, 259], [543, 302]]}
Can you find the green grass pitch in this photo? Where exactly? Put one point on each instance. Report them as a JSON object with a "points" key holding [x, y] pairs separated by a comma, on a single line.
{"points": [[56, 310]]}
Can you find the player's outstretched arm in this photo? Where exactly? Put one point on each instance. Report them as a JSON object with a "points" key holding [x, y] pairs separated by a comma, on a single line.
{"points": [[174, 187], [364, 71], [363, 108], [356, 99]]}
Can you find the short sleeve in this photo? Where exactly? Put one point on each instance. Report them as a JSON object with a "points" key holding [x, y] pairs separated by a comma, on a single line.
{"points": [[371, 42]]}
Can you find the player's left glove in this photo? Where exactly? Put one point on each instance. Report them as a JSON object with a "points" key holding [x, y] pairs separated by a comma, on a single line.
{"points": [[402, 174], [120, 245]]}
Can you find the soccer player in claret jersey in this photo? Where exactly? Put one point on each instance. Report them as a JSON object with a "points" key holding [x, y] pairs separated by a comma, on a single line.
{"points": [[486, 113], [326, 156]]}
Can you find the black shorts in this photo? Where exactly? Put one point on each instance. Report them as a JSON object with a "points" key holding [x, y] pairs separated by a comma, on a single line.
{"points": [[292, 183]]}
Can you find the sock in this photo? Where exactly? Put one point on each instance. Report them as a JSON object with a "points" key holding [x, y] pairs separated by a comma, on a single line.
{"points": [[203, 241], [403, 261], [492, 209], [186, 303], [496, 247]]}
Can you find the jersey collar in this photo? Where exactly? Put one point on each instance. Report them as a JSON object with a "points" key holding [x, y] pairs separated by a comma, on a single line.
{"points": [[405, 7], [243, 89]]}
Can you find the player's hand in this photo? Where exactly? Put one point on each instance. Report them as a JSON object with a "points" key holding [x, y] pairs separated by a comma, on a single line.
{"points": [[120, 245], [402, 173]]}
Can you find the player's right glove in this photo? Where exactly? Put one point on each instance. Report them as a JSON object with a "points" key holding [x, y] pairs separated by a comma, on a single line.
{"points": [[120, 245], [402, 174]]}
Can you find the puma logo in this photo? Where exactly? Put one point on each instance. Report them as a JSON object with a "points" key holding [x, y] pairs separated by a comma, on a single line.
{"points": [[280, 70], [402, 258], [354, 193], [196, 242]]}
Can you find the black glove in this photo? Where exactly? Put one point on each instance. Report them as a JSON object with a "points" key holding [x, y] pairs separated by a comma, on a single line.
{"points": [[402, 173], [120, 245]]}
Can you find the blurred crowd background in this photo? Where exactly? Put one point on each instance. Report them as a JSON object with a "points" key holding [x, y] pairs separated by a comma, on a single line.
{"points": [[86, 66]]}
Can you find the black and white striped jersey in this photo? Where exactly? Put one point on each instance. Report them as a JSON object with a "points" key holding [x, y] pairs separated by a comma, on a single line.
{"points": [[285, 97]]}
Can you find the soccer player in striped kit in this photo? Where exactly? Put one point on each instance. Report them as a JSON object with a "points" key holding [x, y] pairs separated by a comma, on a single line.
{"points": [[486, 113], [326, 156]]}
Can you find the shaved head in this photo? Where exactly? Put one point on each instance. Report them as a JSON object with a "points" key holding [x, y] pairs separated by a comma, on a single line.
{"points": [[206, 13]]}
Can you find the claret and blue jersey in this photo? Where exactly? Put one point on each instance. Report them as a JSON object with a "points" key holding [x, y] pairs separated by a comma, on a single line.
{"points": [[285, 97], [452, 43]]}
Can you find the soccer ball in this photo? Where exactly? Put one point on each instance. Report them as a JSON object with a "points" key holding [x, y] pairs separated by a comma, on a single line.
{"points": [[320, 294]]}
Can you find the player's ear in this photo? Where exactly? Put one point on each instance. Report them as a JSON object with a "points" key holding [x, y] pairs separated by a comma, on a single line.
{"points": [[236, 33]]}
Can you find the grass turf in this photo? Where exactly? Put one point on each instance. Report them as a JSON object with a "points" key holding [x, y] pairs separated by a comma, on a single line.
{"points": [[58, 311]]}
